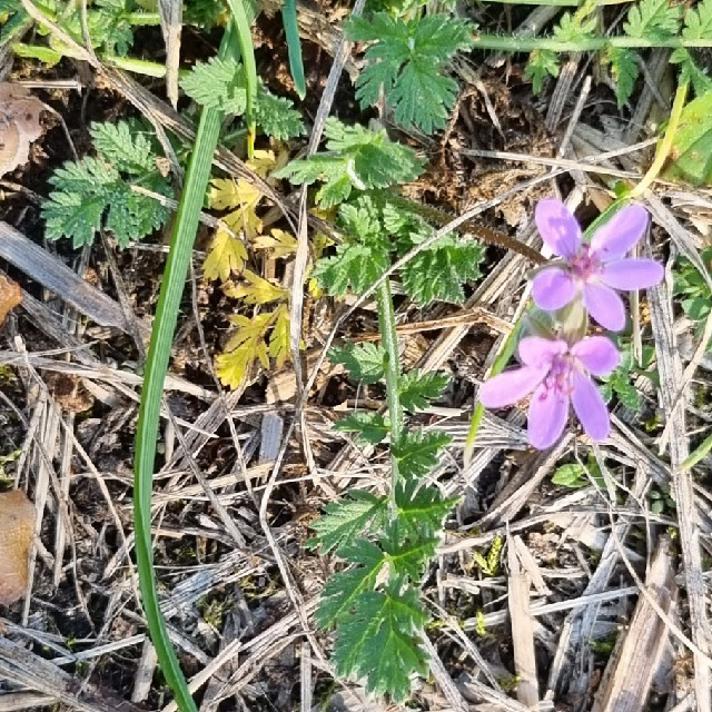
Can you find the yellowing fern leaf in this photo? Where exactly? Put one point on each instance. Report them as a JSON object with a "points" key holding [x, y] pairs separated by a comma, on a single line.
{"points": [[279, 242], [279, 339], [256, 290], [226, 194], [227, 254]]}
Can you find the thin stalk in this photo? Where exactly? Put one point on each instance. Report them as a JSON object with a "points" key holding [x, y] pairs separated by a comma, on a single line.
{"points": [[172, 286], [389, 341], [529, 44], [665, 145], [244, 39], [500, 362], [151, 19]]}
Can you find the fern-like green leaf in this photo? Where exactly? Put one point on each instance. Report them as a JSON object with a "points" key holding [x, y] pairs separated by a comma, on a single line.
{"points": [[364, 362], [276, 116], [421, 510], [418, 452], [96, 192], [368, 426], [653, 20], [624, 71], [380, 642], [348, 519], [417, 389], [440, 272], [356, 158], [542, 63], [217, 84], [344, 589], [125, 146], [408, 60]]}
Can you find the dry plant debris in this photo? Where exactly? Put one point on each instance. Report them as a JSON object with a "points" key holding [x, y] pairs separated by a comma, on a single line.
{"points": [[577, 578]]}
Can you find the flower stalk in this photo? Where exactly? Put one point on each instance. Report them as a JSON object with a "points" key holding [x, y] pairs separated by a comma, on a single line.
{"points": [[389, 339]]}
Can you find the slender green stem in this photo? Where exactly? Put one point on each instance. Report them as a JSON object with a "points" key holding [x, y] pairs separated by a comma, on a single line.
{"points": [[151, 19], [500, 362], [389, 339], [172, 286], [529, 44], [244, 39]]}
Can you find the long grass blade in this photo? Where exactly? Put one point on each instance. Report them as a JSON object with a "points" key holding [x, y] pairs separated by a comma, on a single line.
{"points": [[294, 46], [172, 286]]}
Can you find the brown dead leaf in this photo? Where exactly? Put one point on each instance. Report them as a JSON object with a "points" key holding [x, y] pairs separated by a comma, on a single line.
{"points": [[68, 390], [19, 125], [10, 297], [17, 521]]}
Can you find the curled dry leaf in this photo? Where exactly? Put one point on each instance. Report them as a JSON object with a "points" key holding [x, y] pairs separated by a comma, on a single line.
{"points": [[10, 297], [19, 125], [17, 517]]}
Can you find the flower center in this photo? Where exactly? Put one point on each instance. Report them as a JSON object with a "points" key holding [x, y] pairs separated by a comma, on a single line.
{"points": [[559, 380], [585, 264]]}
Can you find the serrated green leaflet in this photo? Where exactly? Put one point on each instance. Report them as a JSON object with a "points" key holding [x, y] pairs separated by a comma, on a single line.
{"points": [[95, 192], [439, 273], [421, 510], [356, 158], [417, 452], [407, 61], [417, 389], [364, 362], [380, 642], [367, 426], [342, 522], [344, 589]]}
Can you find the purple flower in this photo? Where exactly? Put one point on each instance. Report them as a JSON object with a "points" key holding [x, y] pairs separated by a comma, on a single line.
{"points": [[558, 374], [596, 269]]}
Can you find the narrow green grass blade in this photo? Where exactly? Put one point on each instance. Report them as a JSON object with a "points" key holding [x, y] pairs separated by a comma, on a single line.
{"points": [[699, 454], [294, 46], [244, 39], [172, 286]]}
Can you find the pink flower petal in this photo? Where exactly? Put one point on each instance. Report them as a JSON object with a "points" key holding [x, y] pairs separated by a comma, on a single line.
{"points": [[539, 352], [598, 354], [548, 412], [632, 274], [604, 306], [553, 288], [558, 227], [615, 238], [510, 386], [590, 408]]}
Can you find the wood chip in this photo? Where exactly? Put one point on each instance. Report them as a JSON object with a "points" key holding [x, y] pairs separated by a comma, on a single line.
{"points": [[19, 125], [17, 519], [10, 297]]}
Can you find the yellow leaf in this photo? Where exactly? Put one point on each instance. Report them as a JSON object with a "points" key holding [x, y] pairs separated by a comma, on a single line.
{"points": [[278, 242], [279, 339], [249, 330], [227, 254], [257, 290], [226, 194], [262, 163], [232, 367]]}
